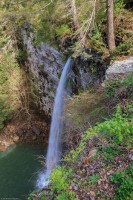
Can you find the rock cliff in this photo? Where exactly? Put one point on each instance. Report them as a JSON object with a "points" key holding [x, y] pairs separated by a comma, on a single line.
{"points": [[45, 65]]}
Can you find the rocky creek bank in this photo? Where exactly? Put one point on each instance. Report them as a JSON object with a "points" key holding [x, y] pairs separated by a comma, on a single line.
{"points": [[35, 132]]}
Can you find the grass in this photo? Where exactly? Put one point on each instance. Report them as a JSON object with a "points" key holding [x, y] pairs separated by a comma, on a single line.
{"points": [[86, 109]]}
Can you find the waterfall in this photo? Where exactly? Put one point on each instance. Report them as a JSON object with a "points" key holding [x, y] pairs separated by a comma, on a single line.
{"points": [[54, 147]]}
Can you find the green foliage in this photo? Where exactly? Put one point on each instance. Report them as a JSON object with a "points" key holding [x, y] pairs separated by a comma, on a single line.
{"points": [[9, 81], [4, 112], [128, 82], [44, 32], [113, 86], [60, 184], [43, 197], [63, 30], [94, 179], [119, 127], [118, 6], [117, 132], [59, 174], [52, 22], [101, 17], [124, 48], [3, 41], [73, 155], [96, 40], [124, 183], [109, 153], [29, 198]]}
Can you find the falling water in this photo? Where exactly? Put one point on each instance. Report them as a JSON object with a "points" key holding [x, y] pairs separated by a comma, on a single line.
{"points": [[54, 147]]}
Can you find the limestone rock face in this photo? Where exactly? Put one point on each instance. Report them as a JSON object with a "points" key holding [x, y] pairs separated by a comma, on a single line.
{"points": [[119, 69], [88, 71], [45, 65]]}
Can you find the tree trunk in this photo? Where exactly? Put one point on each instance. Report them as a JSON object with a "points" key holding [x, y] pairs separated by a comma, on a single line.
{"points": [[73, 12], [110, 25]]}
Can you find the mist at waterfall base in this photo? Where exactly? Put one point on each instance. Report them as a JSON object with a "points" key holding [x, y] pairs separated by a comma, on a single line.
{"points": [[54, 146]]}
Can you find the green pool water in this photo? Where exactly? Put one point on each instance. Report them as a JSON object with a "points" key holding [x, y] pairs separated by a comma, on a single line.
{"points": [[19, 166]]}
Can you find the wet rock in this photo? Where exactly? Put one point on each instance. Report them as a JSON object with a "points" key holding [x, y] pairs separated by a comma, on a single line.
{"points": [[15, 138], [4, 144], [88, 71], [36, 130], [34, 137]]}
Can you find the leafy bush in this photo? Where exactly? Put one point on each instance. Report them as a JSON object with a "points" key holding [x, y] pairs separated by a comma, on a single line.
{"points": [[63, 30], [44, 33], [94, 179], [3, 41], [118, 6], [123, 48], [113, 87], [124, 183], [96, 40], [60, 184], [4, 112], [43, 197], [119, 127], [29, 198], [9, 83], [118, 130], [110, 152]]}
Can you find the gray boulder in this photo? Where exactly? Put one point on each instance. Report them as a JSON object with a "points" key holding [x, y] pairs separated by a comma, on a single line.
{"points": [[119, 69]]}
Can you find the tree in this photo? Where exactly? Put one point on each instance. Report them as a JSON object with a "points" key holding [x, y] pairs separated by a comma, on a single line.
{"points": [[73, 12], [81, 23], [110, 24], [74, 15]]}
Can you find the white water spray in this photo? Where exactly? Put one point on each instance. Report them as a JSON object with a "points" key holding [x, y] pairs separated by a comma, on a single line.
{"points": [[54, 147]]}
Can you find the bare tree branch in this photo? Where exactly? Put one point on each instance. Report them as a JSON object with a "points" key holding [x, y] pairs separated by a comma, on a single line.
{"points": [[42, 8], [14, 3], [86, 27]]}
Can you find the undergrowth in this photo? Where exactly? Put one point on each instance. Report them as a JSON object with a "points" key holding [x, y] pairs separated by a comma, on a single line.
{"points": [[61, 183], [117, 131], [8, 71], [120, 87], [117, 134], [124, 183]]}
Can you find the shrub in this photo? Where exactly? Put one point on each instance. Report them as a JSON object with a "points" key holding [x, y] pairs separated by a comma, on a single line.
{"points": [[96, 40], [4, 112], [10, 80], [119, 128], [94, 179], [60, 184], [113, 87], [62, 30], [123, 48], [124, 183], [118, 6]]}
